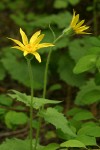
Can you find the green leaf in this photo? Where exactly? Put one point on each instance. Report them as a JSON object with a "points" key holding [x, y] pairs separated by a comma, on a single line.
{"points": [[90, 131], [59, 108], [17, 144], [52, 146], [95, 41], [72, 2], [87, 140], [91, 97], [65, 70], [55, 87], [73, 143], [98, 63], [83, 116], [5, 100], [88, 94], [89, 123], [79, 48], [74, 111], [57, 119], [22, 97], [76, 124], [60, 4], [85, 63], [94, 50], [37, 102], [62, 135], [13, 118]]}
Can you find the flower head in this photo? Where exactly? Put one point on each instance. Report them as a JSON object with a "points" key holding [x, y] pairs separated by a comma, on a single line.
{"points": [[31, 46], [77, 26]]}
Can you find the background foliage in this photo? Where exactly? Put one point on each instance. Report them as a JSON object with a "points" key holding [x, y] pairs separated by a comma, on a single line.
{"points": [[73, 76]]}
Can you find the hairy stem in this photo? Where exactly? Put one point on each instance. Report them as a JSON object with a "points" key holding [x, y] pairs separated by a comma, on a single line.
{"points": [[47, 66], [37, 133], [31, 102]]}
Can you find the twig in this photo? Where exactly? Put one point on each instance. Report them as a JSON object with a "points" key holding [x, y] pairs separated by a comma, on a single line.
{"points": [[6, 134]]}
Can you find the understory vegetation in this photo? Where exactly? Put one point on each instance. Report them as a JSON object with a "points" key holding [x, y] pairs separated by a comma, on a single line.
{"points": [[50, 100]]}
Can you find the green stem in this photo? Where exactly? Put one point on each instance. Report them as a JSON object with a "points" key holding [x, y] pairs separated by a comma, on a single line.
{"points": [[47, 66], [46, 72], [44, 88], [31, 102], [37, 133], [95, 16]]}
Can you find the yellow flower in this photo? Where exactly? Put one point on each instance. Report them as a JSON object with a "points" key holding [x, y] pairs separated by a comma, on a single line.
{"points": [[77, 26], [31, 46]]}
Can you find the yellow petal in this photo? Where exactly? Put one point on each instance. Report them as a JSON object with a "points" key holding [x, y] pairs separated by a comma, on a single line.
{"points": [[17, 47], [25, 53], [82, 28], [34, 37], [39, 39], [79, 24], [37, 56], [74, 20], [17, 42], [81, 32], [45, 45], [24, 37]]}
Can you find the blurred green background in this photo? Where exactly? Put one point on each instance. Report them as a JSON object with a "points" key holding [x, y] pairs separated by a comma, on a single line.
{"points": [[34, 15], [63, 84]]}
